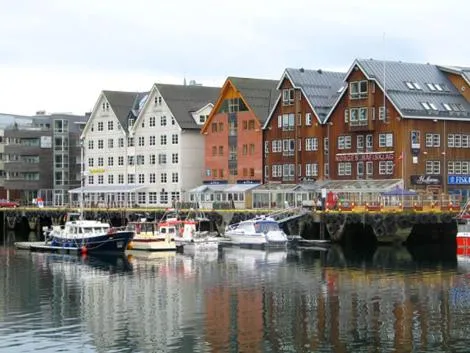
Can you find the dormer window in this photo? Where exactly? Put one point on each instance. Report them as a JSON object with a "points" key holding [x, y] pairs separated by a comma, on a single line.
{"points": [[202, 119], [131, 122]]}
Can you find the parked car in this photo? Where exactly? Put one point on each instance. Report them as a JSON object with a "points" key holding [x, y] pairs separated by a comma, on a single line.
{"points": [[8, 204]]}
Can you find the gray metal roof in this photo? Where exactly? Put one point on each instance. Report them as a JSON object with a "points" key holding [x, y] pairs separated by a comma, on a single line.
{"points": [[185, 99], [321, 88], [394, 75], [459, 70], [122, 104], [260, 94]]}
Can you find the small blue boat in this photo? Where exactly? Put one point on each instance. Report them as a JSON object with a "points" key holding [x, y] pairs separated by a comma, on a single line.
{"points": [[90, 236]]}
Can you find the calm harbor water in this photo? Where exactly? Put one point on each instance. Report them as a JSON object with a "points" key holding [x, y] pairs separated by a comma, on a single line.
{"points": [[235, 300]]}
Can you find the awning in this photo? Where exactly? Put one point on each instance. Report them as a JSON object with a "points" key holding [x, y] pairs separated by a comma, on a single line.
{"points": [[352, 186], [358, 186], [106, 189], [223, 188], [241, 187], [209, 188]]}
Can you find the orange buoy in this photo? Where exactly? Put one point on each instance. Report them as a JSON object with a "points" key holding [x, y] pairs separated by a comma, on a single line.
{"points": [[84, 250]]}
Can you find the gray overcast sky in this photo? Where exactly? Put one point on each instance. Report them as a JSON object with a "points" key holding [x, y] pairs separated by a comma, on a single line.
{"points": [[58, 55]]}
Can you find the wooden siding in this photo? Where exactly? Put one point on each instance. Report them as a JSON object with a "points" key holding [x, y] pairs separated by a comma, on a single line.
{"points": [[247, 159], [299, 133], [461, 85]]}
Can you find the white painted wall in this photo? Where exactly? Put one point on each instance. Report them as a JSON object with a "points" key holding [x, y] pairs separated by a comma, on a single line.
{"points": [[91, 133], [189, 148]]}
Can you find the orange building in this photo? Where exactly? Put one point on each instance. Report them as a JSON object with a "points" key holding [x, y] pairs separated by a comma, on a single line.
{"points": [[233, 137]]}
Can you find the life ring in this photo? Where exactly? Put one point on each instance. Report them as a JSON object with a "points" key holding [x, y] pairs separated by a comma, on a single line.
{"points": [[380, 231]]}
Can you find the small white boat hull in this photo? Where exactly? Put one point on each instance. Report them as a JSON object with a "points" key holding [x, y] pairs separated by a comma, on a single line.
{"points": [[152, 244], [271, 239]]}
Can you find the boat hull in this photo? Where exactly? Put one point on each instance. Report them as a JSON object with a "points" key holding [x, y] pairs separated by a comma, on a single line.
{"points": [[152, 244], [103, 243], [463, 243], [255, 241]]}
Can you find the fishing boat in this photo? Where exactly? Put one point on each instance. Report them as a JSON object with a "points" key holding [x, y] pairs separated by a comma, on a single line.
{"points": [[155, 235], [262, 231], [463, 232], [197, 233], [89, 236]]}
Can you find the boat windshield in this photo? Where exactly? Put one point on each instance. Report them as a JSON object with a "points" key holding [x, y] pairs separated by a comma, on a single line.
{"points": [[92, 230], [264, 227]]}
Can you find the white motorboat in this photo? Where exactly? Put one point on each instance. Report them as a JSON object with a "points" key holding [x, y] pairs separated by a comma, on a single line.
{"points": [[261, 232]]}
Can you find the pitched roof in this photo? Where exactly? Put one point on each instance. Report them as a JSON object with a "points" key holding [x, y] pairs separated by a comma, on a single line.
{"points": [[321, 88], [394, 76], [459, 70], [122, 103], [259, 94], [185, 99]]}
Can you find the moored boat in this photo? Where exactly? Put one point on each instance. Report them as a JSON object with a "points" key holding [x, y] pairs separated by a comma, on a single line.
{"points": [[155, 236], [89, 236], [463, 235], [197, 233], [261, 232]]}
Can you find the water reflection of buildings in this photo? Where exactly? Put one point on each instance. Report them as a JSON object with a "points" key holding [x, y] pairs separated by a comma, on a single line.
{"points": [[255, 301]]}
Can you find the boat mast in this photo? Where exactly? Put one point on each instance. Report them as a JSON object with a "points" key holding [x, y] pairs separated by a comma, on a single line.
{"points": [[82, 177]]}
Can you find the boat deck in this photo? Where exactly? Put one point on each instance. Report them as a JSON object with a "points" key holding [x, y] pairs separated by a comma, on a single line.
{"points": [[42, 247]]}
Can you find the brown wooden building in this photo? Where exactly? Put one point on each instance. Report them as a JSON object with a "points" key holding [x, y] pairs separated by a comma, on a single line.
{"points": [[295, 148], [418, 131], [233, 137]]}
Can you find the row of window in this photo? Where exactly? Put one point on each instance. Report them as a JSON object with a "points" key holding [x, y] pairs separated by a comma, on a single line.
{"points": [[450, 107], [360, 116], [364, 168], [247, 149], [152, 122], [286, 122], [131, 142], [246, 125], [134, 160], [220, 173], [133, 178], [344, 169]]}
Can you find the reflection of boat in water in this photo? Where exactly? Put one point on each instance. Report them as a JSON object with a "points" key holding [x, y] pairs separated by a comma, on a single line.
{"points": [[252, 258], [82, 267]]}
